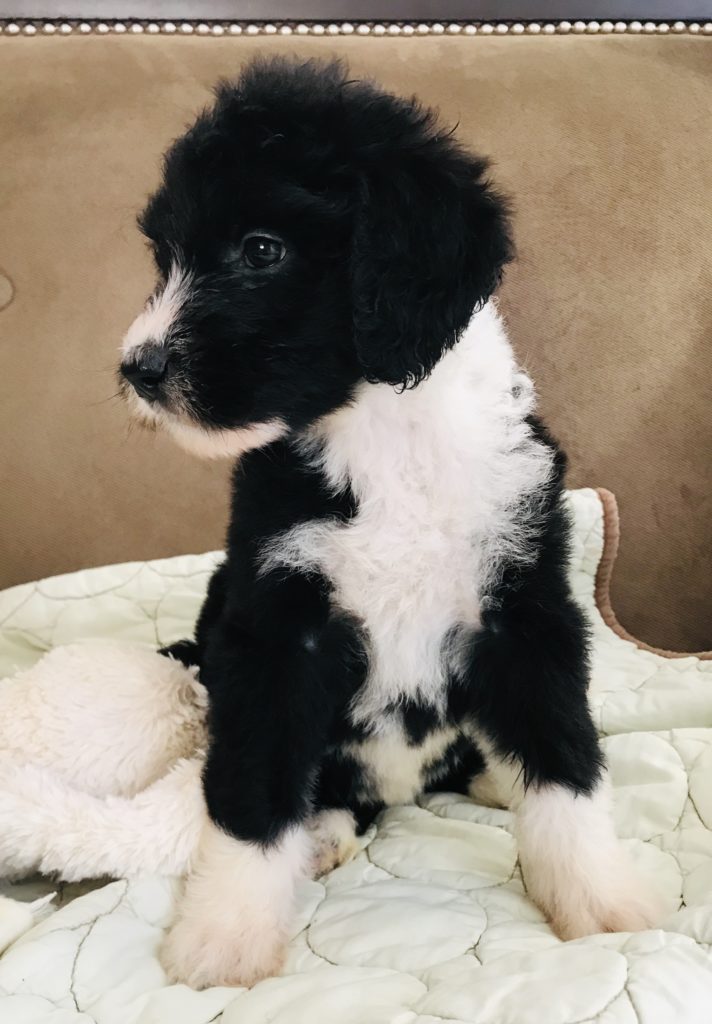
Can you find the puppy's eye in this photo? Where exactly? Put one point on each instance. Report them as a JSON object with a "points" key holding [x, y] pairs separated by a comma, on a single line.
{"points": [[259, 251]]}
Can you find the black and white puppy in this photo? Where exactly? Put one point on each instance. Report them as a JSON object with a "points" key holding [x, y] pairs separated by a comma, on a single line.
{"points": [[393, 614]]}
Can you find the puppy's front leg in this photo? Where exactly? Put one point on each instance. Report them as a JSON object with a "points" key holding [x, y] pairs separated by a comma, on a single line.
{"points": [[272, 703], [235, 913], [529, 679]]}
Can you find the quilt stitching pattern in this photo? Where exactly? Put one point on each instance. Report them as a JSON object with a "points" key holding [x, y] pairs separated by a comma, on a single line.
{"points": [[430, 921]]}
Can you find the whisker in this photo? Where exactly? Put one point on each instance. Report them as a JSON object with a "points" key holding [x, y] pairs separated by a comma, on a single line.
{"points": [[103, 401]]}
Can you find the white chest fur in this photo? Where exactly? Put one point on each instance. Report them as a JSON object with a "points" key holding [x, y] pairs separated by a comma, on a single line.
{"points": [[441, 475]]}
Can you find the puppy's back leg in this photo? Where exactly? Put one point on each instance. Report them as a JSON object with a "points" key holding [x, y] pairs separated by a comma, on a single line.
{"points": [[340, 814], [190, 652], [334, 839], [186, 652]]}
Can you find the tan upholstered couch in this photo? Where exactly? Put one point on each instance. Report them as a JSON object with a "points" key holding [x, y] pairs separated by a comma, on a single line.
{"points": [[604, 140]]}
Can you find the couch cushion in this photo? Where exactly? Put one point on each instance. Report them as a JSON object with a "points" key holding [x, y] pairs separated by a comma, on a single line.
{"points": [[605, 142]]}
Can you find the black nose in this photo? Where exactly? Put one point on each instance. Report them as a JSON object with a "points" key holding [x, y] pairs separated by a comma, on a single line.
{"points": [[147, 371]]}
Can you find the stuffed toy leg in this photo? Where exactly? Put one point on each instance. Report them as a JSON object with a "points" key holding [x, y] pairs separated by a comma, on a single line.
{"points": [[100, 761], [16, 918]]}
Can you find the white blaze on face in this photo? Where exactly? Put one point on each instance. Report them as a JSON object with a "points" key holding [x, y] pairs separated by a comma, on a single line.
{"points": [[162, 310], [153, 327]]}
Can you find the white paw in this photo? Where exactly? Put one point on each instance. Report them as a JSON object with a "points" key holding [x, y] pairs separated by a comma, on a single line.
{"points": [[234, 917], [575, 868], [627, 906], [223, 952], [334, 841]]}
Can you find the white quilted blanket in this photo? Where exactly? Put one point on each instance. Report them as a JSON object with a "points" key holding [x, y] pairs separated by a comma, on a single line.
{"points": [[430, 923]]}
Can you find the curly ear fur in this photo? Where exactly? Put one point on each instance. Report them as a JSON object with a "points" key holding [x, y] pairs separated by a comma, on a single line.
{"points": [[430, 243]]}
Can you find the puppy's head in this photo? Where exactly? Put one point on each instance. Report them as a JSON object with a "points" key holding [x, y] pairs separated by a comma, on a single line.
{"points": [[311, 232]]}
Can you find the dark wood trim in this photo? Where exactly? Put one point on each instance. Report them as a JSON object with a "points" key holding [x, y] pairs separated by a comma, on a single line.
{"points": [[361, 10]]}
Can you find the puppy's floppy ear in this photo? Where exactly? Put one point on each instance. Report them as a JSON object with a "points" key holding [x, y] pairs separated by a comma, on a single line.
{"points": [[430, 243]]}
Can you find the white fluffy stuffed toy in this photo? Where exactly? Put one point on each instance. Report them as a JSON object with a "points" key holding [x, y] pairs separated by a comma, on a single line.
{"points": [[101, 749]]}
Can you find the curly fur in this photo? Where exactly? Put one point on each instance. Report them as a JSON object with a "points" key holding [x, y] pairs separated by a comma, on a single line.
{"points": [[394, 609]]}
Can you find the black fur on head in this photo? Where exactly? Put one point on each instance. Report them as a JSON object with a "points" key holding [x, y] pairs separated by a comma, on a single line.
{"points": [[381, 236], [430, 242]]}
